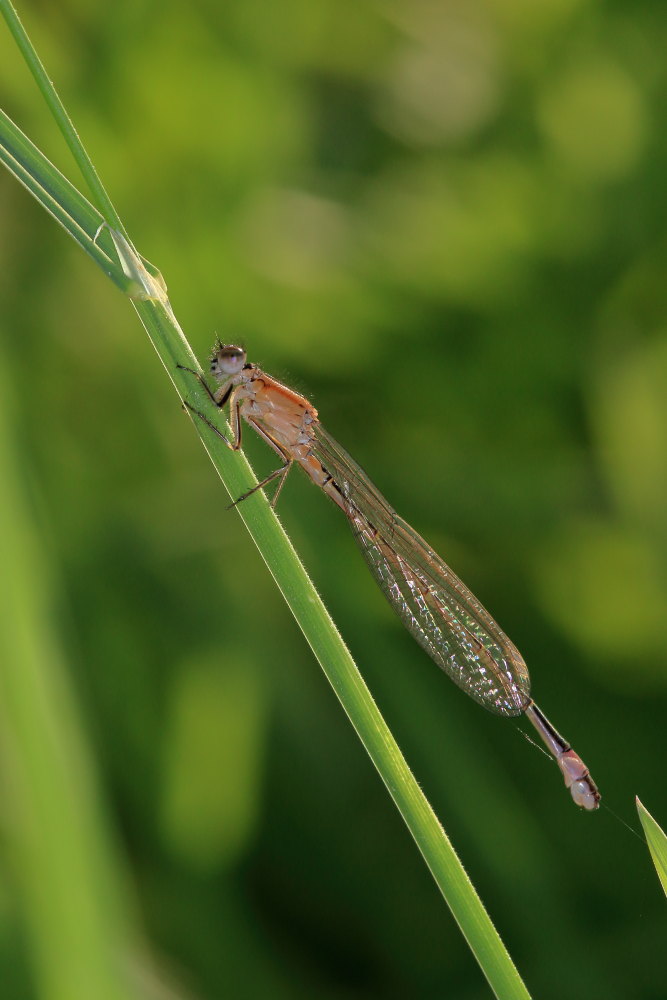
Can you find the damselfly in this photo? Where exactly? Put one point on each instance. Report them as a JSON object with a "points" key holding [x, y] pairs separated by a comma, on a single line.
{"points": [[435, 606]]}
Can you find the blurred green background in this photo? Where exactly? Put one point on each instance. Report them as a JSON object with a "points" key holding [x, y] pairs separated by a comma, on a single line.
{"points": [[444, 223]]}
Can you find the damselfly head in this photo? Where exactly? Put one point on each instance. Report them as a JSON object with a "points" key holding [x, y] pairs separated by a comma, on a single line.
{"points": [[226, 360]]}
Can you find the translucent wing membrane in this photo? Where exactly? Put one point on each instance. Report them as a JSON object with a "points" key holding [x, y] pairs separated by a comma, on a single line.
{"points": [[444, 617]]}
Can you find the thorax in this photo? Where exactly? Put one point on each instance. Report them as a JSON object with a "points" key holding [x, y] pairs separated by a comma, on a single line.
{"points": [[286, 416]]}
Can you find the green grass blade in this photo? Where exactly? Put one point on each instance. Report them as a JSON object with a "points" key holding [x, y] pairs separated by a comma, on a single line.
{"points": [[73, 900], [59, 197], [57, 108], [339, 667], [308, 610], [657, 843]]}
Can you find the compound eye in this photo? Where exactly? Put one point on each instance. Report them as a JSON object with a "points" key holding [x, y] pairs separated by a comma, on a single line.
{"points": [[228, 359]]}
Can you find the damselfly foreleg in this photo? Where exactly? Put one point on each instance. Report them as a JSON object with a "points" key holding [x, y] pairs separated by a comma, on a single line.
{"points": [[203, 383], [234, 410]]}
